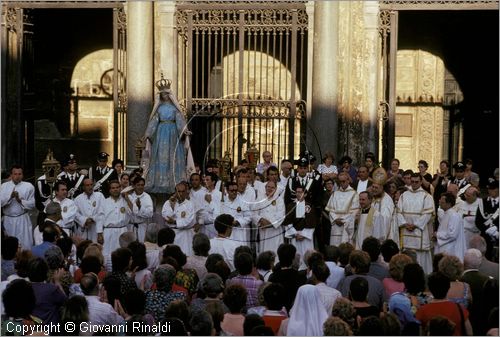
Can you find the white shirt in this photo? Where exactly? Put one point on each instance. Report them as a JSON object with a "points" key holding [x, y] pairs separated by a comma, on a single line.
{"points": [[362, 186], [101, 313], [328, 296], [226, 248]]}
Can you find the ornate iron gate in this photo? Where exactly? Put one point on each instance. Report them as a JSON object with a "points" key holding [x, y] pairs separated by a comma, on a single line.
{"points": [[242, 76]]}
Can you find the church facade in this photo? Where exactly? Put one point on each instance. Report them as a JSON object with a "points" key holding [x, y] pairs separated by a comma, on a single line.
{"points": [[406, 79]]}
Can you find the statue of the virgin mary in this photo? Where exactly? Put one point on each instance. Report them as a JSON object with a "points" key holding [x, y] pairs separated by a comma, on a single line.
{"points": [[168, 149]]}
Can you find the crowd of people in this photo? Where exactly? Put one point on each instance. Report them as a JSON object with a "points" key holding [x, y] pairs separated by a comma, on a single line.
{"points": [[299, 249]]}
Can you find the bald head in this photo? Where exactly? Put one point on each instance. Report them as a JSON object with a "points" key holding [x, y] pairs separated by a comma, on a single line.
{"points": [[453, 189], [89, 284]]}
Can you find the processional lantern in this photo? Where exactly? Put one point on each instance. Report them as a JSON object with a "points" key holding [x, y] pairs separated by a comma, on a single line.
{"points": [[252, 156], [225, 167], [51, 168]]}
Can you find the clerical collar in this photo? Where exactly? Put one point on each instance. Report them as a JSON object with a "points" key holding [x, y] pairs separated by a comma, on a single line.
{"points": [[365, 210]]}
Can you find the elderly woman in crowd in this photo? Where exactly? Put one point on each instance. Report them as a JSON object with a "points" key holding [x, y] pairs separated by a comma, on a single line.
{"points": [[158, 299], [153, 252], [55, 261], [451, 267], [395, 282], [186, 278], [210, 289], [201, 247]]}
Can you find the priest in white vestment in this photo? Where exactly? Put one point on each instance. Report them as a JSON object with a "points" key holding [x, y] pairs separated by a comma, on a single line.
{"points": [[117, 210], [238, 208], [89, 210], [142, 210], [209, 204], [384, 204], [179, 214], [450, 235], [68, 208], [268, 216], [468, 210], [18, 199], [342, 207], [368, 222], [414, 216]]}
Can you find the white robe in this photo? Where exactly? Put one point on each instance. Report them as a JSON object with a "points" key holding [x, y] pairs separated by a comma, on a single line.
{"points": [[385, 207], [343, 204], [89, 207], [468, 213], [363, 231], [207, 212], [272, 209], [416, 207], [16, 219], [197, 198], [238, 208], [184, 216], [141, 217], [450, 235], [115, 222]]}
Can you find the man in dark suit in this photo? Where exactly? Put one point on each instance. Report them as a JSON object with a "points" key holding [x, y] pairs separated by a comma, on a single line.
{"points": [[476, 281], [71, 176], [487, 219], [363, 182], [102, 174]]}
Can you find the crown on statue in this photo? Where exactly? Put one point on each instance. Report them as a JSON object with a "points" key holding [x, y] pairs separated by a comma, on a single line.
{"points": [[163, 84]]}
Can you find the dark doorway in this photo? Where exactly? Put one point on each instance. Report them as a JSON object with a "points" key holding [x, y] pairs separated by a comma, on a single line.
{"points": [[467, 41]]}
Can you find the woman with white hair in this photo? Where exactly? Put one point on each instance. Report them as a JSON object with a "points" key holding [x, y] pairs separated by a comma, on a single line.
{"points": [[307, 315]]}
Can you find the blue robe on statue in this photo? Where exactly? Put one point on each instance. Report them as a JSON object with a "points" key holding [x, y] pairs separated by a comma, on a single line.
{"points": [[167, 165]]}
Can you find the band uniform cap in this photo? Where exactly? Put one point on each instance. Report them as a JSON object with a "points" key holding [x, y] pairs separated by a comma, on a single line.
{"points": [[459, 166], [102, 155], [492, 183], [308, 155], [302, 162], [71, 157]]}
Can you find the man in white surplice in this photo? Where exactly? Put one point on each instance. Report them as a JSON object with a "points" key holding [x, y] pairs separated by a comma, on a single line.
{"points": [[268, 216], [142, 211], [89, 205], [209, 204], [235, 206], [369, 221], [117, 209], [384, 204], [468, 210], [68, 207], [300, 222], [342, 207], [179, 214], [18, 198], [414, 216], [450, 235]]}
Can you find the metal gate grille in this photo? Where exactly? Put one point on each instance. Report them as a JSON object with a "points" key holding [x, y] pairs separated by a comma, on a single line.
{"points": [[242, 76]]}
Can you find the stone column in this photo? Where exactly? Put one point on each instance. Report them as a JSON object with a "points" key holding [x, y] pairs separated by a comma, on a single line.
{"points": [[371, 15], [322, 119], [139, 72], [165, 57]]}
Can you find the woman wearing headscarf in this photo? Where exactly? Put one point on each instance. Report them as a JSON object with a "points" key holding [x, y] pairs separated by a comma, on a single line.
{"points": [[169, 137], [307, 314]]}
